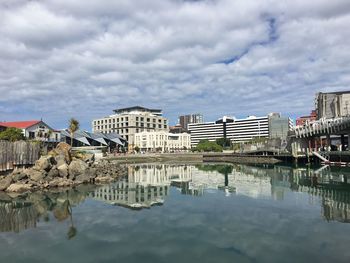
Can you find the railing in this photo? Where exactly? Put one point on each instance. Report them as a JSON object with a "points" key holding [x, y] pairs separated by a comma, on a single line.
{"points": [[322, 126]]}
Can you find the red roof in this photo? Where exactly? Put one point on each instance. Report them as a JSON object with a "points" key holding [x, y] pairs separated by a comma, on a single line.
{"points": [[19, 124]]}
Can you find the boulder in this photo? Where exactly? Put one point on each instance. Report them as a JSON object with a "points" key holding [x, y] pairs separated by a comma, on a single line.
{"points": [[19, 176], [19, 187], [89, 158], [53, 173], [36, 175], [64, 149], [60, 159], [61, 182], [5, 183], [44, 163], [77, 167], [104, 179], [63, 170]]}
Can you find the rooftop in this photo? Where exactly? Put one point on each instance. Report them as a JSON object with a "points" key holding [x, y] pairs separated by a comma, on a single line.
{"points": [[139, 109], [19, 124]]}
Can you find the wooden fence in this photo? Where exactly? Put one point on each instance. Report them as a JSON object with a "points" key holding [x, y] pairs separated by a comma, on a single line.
{"points": [[19, 153]]}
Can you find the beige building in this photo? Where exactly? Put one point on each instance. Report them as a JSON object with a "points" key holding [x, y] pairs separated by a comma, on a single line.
{"points": [[129, 121], [162, 141]]}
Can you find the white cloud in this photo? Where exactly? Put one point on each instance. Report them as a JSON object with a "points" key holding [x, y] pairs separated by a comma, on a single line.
{"points": [[60, 58]]}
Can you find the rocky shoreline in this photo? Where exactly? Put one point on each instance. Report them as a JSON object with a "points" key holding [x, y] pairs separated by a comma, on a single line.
{"points": [[62, 168]]}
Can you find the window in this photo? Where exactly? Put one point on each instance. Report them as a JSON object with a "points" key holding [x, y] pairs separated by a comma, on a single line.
{"points": [[141, 118], [159, 126], [31, 135], [148, 119], [137, 118], [126, 118]]}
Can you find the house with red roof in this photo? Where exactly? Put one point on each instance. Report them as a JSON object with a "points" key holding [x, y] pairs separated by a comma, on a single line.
{"points": [[33, 129]]}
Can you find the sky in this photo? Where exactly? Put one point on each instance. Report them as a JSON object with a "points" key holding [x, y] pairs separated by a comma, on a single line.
{"points": [[62, 58]]}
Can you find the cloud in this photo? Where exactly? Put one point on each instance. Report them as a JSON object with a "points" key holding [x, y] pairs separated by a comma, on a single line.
{"points": [[61, 58]]}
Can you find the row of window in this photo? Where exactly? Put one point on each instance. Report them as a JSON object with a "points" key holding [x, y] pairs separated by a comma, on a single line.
{"points": [[113, 126], [126, 119]]}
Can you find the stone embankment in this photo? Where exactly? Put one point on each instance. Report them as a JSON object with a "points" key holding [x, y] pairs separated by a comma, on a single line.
{"points": [[61, 168]]}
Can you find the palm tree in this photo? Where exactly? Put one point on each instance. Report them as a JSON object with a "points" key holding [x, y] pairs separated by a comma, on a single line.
{"points": [[73, 127]]}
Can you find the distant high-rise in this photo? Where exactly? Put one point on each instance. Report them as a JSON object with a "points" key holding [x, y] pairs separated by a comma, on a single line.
{"points": [[184, 120]]}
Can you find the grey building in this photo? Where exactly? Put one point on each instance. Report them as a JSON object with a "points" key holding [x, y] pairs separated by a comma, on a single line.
{"points": [[331, 105], [279, 126], [184, 120]]}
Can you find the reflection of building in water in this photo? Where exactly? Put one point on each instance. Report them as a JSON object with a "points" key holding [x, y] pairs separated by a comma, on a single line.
{"points": [[331, 187], [240, 179], [17, 216], [144, 186]]}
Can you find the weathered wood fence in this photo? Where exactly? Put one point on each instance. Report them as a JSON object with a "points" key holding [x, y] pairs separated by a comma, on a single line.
{"points": [[19, 153]]}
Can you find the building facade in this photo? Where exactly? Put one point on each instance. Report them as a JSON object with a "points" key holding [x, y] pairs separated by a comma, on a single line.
{"points": [[184, 120], [304, 119], [332, 104], [279, 126], [162, 141], [129, 121], [34, 130], [237, 130]]}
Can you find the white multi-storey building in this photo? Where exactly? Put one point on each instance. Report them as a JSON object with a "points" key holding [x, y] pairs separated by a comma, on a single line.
{"points": [[129, 121], [237, 130], [162, 140]]}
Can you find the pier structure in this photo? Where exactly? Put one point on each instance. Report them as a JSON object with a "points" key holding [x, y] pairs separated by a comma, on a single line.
{"points": [[315, 138]]}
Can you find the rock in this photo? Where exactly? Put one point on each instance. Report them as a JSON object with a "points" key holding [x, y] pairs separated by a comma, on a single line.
{"points": [[89, 158], [60, 159], [64, 149], [19, 176], [36, 175], [5, 183], [76, 168], [19, 187], [53, 173], [44, 163], [63, 170], [104, 179], [61, 182]]}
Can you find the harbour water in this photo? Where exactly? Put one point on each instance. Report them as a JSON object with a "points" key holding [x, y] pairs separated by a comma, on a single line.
{"points": [[185, 213]]}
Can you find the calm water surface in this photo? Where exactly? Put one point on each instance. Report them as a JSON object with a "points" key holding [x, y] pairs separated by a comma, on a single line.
{"points": [[185, 213]]}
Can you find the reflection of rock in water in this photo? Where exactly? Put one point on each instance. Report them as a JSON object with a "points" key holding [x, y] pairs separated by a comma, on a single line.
{"points": [[20, 213], [17, 216]]}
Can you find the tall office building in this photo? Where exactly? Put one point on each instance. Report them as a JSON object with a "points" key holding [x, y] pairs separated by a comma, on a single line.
{"points": [[129, 121], [237, 130], [279, 126], [184, 120]]}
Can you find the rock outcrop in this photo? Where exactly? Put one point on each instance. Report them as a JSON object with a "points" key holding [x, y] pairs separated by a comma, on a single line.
{"points": [[61, 168]]}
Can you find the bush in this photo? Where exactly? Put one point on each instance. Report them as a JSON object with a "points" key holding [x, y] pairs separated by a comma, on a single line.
{"points": [[12, 134]]}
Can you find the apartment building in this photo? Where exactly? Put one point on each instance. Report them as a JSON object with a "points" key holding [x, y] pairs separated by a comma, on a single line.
{"points": [[129, 121], [162, 141], [237, 130], [184, 120]]}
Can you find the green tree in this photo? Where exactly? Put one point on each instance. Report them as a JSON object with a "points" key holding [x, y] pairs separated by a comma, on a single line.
{"points": [[137, 149], [73, 127], [12, 134], [223, 142], [208, 146]]}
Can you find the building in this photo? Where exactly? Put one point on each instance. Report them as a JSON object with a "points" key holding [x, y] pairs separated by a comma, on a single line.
{"points": [[129, 121], [83, 138], [162, 141], [34, 130], [177, 129], [279, 126], [237, 130], [184, 120], [332, 104], [304, 119]]}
